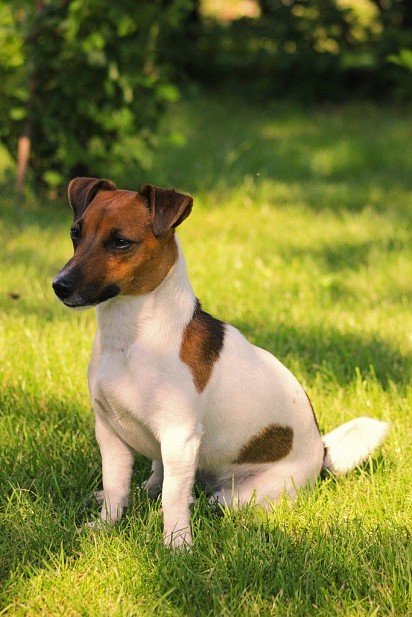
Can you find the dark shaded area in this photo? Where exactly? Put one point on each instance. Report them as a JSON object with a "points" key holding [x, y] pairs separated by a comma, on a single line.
{"points": [[42, 466], [333, 159], [307, 50], [328, 351], [346, 255]]}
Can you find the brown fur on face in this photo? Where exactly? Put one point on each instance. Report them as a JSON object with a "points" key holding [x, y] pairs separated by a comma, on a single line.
{"points": [[271, 444], [135, 270], [201, 345]]}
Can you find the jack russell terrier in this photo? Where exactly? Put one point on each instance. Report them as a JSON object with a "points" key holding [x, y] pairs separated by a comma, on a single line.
{"points": [[175, 384]]}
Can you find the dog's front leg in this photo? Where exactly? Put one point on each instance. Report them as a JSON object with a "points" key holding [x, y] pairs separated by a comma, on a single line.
{"points": [[117, 465], [179, 454]]}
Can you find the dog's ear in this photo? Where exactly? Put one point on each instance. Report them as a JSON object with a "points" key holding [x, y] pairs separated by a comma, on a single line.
{"points": [[82, 191], [167, 208]]}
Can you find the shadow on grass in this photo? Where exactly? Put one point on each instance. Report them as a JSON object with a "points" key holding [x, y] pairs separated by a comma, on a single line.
{"points": [[46, 472], [333, 354], [345, 255], [345, 158]]}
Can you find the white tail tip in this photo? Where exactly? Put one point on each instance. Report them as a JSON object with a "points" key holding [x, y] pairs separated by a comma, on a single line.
{"points": [[350, 444]]}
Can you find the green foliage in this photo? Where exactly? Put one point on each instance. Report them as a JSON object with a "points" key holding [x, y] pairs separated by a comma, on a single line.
{"points": [[88, 80], [13, 93], [310, 50], [85, 79], [403, 58]]}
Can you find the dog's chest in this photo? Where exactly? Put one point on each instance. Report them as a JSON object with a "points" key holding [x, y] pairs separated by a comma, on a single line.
{"points": [[122, 393]]}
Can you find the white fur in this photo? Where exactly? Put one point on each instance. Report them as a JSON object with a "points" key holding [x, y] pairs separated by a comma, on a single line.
{"points": [[351, 443], [145, 399]]}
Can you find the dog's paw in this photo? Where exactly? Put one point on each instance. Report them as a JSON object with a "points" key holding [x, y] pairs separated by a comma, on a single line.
{"points": [[98, 496], [153, 487]]}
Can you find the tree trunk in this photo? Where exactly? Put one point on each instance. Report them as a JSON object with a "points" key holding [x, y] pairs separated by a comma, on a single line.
{"points": [[23, 153], [24, 143]]}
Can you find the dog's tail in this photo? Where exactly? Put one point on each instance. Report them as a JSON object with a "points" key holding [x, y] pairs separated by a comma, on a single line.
{"points": [[350, 444]]}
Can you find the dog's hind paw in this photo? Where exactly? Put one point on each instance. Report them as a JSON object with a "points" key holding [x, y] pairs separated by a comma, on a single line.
{"points": [[152, 488], [98, 496]]}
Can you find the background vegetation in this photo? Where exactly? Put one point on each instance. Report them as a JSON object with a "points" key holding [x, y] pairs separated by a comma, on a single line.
{"points": [[84, 82]]}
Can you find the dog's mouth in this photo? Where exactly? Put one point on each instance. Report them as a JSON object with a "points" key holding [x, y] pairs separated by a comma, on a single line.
{"points": [[79, 304], [77, 300]]}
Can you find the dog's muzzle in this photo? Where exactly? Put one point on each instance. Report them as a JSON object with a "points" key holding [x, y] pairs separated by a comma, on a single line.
{"points": [[63, 287], [66, 290]]}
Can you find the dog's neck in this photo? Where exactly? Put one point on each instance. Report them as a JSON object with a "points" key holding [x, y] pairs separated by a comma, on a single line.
{"points": [[156, 316]]}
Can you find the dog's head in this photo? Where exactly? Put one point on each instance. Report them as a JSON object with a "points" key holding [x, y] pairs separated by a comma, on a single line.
{"points": [[123, 240]]}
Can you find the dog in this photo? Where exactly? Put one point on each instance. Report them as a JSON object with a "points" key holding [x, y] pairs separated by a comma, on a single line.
{"points": [[173, 383]]}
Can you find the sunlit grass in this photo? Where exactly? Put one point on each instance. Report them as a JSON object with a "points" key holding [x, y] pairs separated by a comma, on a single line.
{"points": [[300, 236]]}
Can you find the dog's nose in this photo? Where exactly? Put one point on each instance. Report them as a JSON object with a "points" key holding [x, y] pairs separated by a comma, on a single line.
{"points": [[63, 288]]}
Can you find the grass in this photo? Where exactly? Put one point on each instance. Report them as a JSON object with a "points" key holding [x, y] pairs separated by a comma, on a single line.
{"points": [[300, 236]]}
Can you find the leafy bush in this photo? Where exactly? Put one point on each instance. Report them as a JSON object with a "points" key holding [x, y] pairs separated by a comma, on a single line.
{"points": [[85, 81], [310, 50]]}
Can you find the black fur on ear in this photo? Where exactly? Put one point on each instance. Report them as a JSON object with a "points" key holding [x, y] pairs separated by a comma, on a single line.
{"points": [[168, 208], [82, 191]]}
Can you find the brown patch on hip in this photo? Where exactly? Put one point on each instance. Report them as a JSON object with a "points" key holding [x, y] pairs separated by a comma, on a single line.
{"points": [[202, 343], [271, 444]]}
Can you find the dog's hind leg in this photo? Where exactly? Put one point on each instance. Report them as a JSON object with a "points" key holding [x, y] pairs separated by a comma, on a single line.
{"points": [[153, 485], [267, 484], [98, 496]]}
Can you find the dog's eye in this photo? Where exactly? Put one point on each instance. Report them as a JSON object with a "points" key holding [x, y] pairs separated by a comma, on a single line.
{"points": [[75, 233], [120, 243]]}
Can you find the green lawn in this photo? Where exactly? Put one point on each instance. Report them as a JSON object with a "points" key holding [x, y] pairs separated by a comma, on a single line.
{"points": [[300, 236]]}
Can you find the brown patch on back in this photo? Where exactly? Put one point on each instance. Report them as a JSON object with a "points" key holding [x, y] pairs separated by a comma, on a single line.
{"points": [[202, 343], [136, 271], [271, 444]]}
